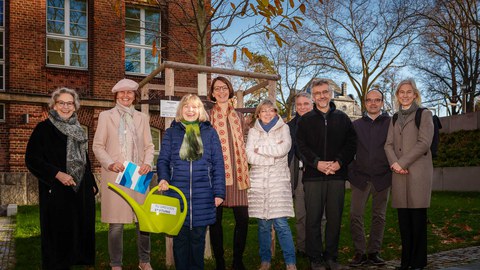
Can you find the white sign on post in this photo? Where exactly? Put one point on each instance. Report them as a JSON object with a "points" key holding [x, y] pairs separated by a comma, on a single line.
{"points": [[168, 108]]}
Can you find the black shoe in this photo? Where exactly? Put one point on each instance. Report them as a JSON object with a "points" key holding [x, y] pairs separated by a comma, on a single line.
{"points": [[317, 266], [373, 258], [358, 259], [333, 265], [401, 268], [301, 254]]}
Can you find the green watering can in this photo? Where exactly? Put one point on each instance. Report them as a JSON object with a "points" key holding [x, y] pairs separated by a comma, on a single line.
{"points": [[158, 213]]}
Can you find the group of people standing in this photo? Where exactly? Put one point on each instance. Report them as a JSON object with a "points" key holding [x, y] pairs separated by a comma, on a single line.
{"points": [[283, 170]]}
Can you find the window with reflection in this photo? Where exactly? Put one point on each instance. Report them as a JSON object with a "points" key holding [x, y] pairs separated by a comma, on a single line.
{"points": [[142, 35], [67, 33], [2, 113]]}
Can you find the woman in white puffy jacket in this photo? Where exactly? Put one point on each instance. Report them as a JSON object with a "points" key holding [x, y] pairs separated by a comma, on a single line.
{"points": [[270, 195]]}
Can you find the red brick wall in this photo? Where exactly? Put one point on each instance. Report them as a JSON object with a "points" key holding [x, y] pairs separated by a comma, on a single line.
{"points": [[27, 72], [26, 56]]}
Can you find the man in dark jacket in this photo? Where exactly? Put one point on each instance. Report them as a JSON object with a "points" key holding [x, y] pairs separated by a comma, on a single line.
{"points": [[303, 104], [369, 174], [326, 143]]}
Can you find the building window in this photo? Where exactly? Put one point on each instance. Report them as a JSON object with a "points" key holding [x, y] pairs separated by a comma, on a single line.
{"points": [[2, 112], [156, 142], [2, 45], [67, 33], [141, 36]]}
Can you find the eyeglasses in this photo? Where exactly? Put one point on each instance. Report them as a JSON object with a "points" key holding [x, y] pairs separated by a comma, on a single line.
{"points": [[65, 104], [319, 94], [223, 88], [376, 100]]}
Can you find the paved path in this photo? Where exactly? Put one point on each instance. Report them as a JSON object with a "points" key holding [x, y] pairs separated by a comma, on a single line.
{"points": [[7, 243], [458, 259]]}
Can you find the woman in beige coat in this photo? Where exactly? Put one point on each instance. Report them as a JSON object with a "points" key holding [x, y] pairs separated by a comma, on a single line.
{"points": [[408, 152], [123, 134]]}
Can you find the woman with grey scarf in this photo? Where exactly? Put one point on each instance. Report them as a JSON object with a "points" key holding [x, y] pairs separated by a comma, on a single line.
{"points": [[123, 134], [57, 155], [408, 151]]}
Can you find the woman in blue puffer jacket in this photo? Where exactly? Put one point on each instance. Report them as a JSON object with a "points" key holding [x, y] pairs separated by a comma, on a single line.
{"points": [[191, 159]]}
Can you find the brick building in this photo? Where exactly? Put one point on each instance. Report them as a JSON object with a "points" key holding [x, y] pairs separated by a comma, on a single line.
{"points": [[87, 45]]}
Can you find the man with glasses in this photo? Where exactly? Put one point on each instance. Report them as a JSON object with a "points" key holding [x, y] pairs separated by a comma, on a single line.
{"points": [[326, 142], [369, 174], [303, 104]]}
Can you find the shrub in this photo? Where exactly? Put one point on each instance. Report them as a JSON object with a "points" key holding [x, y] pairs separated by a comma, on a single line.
{"points": [[458, 149]]}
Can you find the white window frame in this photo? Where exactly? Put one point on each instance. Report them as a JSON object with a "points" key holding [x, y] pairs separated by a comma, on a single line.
{"points": [[142, 46], [3, 117], [2, 59], [67, 38]]}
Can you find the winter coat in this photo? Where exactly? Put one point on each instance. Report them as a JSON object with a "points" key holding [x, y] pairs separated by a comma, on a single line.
{"points": [[270, 194], [410, 147], [371, 163], [67, 218], [325, 137], [106, 147], [200, 180]]}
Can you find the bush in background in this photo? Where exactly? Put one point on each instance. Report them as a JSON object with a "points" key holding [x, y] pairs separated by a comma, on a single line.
{"points": [[458, 149]]}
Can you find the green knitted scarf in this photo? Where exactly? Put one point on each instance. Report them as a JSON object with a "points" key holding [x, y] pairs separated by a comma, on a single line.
{"points": [[192, 146]]}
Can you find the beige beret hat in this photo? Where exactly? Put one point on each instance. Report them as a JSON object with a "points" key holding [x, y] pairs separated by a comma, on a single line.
{"points": [[125, 85]]}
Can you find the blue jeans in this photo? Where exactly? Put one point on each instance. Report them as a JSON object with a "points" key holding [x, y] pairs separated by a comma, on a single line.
{"points": [[188, 248], [284, 238]]}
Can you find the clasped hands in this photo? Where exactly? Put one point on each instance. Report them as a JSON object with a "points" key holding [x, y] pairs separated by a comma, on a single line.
{"points": [[396, 168], [328, 167]]}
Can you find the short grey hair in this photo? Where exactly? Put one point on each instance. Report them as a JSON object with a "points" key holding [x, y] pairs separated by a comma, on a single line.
{"points": [[64, 90], [303, 94], [318, 82]]}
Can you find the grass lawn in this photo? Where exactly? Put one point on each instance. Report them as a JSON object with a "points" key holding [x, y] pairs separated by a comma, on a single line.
{"points": [[453, 223]]}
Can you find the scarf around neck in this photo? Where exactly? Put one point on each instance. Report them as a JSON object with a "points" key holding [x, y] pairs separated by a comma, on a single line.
{"points": [[403, 114], [192, 145], [76, 145], [230, 131], [268, 126], [127, 134]]}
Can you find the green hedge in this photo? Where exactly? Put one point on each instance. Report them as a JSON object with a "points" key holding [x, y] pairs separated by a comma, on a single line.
{"points": [[458, 149]]}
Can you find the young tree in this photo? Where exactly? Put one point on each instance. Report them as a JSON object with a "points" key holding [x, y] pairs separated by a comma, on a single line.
{"points": [[449, 54], [362, 38], [204, 19]]}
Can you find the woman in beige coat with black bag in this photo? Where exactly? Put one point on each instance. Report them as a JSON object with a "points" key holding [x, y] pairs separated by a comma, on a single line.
{"points": [[123, 134], [408, 152]]}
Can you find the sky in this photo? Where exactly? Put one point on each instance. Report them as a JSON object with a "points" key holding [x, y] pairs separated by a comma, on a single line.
{"points": [[245, 24]]}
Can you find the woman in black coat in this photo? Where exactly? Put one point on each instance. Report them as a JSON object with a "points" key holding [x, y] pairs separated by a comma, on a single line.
{"points": [[57, 155]]}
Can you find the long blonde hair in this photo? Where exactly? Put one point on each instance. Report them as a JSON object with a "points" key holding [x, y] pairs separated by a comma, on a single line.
{"points": [[195, 100]]}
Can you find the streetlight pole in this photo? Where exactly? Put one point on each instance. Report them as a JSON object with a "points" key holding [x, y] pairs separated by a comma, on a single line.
{"points": [[463, 88]]}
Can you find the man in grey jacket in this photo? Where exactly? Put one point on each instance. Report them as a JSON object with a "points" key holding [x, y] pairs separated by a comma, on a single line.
{"points": [[369, 174], [303, 104]]}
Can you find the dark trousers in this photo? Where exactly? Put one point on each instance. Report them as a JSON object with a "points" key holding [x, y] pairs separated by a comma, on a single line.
{"points": [[320, 196], [413, 231], [239, 237], [189, 247]]}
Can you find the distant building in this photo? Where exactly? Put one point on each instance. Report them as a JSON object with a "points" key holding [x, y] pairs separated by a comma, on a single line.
{"points": [[343, 102]]}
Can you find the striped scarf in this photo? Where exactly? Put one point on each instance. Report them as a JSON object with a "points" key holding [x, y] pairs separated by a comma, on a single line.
{"points": [[230, 131]]}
